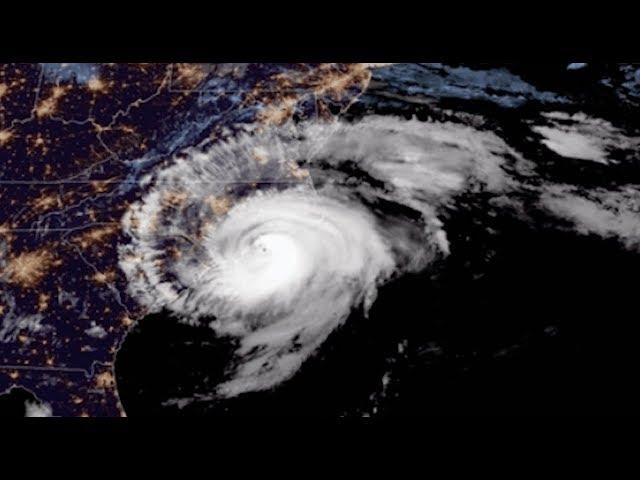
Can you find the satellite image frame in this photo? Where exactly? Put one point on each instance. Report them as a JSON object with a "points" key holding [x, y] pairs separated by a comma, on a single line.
{"points": [[318, 239]]}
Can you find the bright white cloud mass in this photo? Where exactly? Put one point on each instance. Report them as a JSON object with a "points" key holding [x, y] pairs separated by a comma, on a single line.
{"points": [[274, 237], [37, 409], [583, 137], [606, 213]]}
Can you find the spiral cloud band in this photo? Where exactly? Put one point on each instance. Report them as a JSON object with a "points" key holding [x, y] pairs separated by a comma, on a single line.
{"points": [[274, 237]]}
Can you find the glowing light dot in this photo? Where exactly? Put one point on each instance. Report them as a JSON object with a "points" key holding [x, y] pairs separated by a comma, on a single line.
{"points": [[95, 84], [5, 136]]}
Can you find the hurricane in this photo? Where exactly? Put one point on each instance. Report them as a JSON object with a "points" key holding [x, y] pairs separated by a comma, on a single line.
{"points": [[275, 236]]}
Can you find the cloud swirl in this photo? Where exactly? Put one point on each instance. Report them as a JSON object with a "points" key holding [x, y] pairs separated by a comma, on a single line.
{"points": [[275, 237]]}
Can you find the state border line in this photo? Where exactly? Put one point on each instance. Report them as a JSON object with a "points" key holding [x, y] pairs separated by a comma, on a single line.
{"points": [[132, 182], [38, 368]]}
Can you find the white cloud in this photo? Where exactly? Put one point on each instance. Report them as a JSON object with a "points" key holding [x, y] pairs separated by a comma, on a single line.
{"points": [[37, 409], [281, 268], [583, 137], [607, 213], [576, 66], [96, 331]]}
